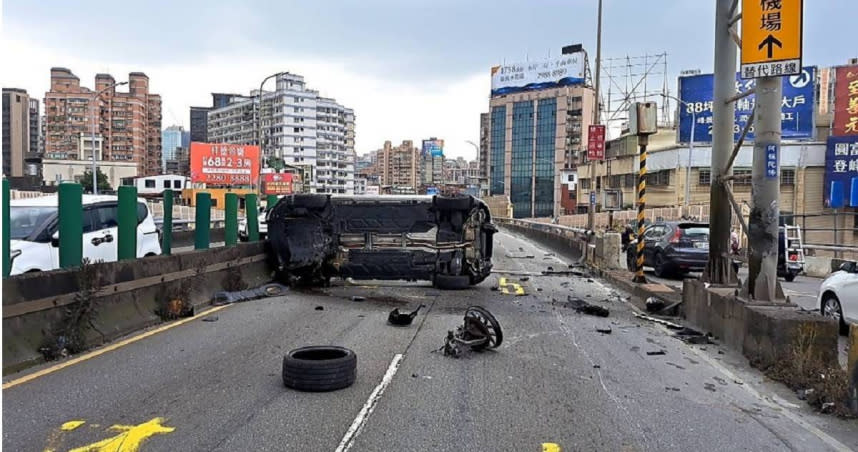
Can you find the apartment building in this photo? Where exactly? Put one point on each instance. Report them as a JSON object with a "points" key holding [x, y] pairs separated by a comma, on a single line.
{"points": [[129, 123], [399, 166], [16, 131], [299, 127]]}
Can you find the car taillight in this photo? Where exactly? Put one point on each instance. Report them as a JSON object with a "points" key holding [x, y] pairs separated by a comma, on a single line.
{"points": [[676, 235], [793, 256]]}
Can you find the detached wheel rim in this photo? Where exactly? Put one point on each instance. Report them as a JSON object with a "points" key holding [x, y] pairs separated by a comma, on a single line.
{"points": [[831, 308]]}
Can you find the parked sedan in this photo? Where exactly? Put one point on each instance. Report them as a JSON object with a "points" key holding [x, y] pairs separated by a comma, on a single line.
{"points": [[672, 248], [838, 296]]}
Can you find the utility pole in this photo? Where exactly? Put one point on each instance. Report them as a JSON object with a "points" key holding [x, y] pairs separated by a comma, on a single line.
{"points": [[765, 186], [591, 210], [718, 269]]}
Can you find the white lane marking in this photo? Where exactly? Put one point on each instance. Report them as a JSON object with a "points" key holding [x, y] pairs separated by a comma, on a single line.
{"points": [[369, 406]]}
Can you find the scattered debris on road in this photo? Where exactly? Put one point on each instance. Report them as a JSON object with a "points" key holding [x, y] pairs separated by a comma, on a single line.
{"points": [[211, 318], [583, 307], [479, 331], [675, 365], [524, 278], [358, 298], [709, 386], [654, 304], [320, 308], [519, 256], [692, 336], [604, 330], [267, 290], [397, 318], [671, 388], [656, 353], [670, 325]]}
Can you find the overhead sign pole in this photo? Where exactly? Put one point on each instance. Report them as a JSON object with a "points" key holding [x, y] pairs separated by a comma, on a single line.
{"points": [[771, 48]]}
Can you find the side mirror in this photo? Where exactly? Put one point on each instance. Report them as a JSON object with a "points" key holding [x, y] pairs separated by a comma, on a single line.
{"points": [[55, 240]]}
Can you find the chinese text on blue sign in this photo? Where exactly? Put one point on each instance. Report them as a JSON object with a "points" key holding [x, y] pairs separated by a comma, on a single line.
{"points": [[841, 169], [771, 161], [796, 107]]}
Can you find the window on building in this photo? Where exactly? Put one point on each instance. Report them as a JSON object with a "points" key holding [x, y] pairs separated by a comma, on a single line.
{"points": [[704, 177], [177, 184], [615, 181], [787, 176], [166, 184], [572, 195], [585, 184], [570, 178], [629, 180], [658, 178], [150, 183]]}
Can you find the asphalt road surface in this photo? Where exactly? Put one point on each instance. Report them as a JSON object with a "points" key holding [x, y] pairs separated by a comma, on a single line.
{"points": [[216, 385]]}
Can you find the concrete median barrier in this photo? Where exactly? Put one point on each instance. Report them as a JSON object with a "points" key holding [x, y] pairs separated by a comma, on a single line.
{"points": [[126, 298]]}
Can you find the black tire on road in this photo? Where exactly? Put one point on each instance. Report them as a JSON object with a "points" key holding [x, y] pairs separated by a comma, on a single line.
{"points": [[450, 282], [319, 368]]}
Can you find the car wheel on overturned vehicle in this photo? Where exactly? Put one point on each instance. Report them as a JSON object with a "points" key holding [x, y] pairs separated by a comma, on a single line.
{"points": [[831, 308], [319, 368], [451, 282]]}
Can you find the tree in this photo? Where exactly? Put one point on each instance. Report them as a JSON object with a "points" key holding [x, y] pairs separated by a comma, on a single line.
{"points": [[103, 184], [276, 163]]}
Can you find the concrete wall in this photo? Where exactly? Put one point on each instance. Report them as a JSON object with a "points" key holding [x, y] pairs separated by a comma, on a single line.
{"points": [[34, 303]]}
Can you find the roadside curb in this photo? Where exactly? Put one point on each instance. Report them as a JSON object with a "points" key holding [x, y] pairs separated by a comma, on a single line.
{"points": [[640, 292]]}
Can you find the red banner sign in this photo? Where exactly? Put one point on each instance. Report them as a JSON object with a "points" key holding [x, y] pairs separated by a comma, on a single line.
{"points": [[279, 184], [845, 101], [224, 164], [596, 142]]}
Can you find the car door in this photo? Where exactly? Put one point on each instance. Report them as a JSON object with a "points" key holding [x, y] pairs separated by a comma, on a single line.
{"points": [[847, 293], [651, 237], [100, 232]]}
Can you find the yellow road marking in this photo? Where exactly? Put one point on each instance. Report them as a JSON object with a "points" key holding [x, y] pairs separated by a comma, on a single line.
{"points": [[550, 447], [504, 286], [130, 439], [109, 348], [71, 425]]}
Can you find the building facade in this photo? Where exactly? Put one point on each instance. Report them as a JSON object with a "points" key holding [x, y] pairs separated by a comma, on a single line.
{"points": [[485, 128], [432, 162], [399, 166], [299, 127], [171, 139], [533, 146], [16, 131], [129, 123]]}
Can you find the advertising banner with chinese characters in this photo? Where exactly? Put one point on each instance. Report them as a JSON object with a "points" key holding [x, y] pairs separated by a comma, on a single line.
{"points": [[434, 147], [797, 106], [596, 142], [845, 101], [224, 164], [841, 169], [279, 183], [533, 75]]}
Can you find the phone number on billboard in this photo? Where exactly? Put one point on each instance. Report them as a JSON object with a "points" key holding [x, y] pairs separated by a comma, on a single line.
{"points": [[228, 178], [226, 162]]}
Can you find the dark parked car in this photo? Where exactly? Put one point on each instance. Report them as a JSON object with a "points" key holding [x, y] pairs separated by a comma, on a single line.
{"points": [[673, 247]]}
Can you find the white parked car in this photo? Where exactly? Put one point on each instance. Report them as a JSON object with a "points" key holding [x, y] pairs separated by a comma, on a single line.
{"points": [[263, 227], [35, 239], [838, 296]]}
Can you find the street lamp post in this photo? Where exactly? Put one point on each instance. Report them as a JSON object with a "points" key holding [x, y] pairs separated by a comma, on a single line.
{"points": [[477, 150], [92, 136], [690, 148], [259, 117]]}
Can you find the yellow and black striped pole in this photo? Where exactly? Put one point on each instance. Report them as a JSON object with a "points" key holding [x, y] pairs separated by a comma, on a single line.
{"points": [[639, 272]]}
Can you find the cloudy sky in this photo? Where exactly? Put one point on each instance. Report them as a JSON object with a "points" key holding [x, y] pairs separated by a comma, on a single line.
{"points": [[410, 69]]}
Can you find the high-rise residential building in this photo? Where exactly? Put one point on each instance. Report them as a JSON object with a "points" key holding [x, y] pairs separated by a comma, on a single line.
{"points": [[399, 166], [129, 123], [199, 118], [535, 135], [432, 162], [171, 138], [461, 172], [299, 127], [16, 131]]}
